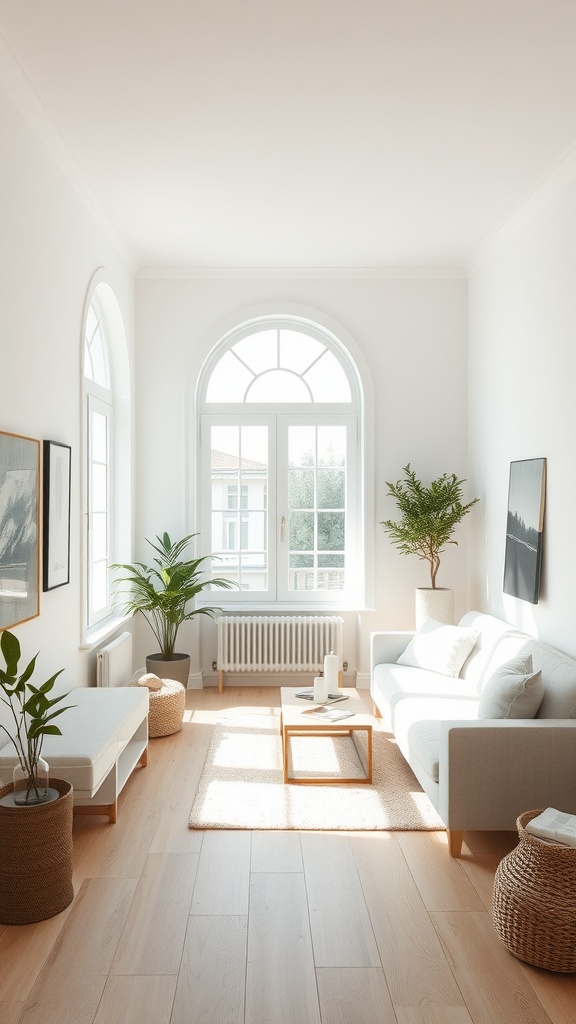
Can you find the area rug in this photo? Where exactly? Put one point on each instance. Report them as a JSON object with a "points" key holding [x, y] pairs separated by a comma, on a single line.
{"points": [[241, 785]]}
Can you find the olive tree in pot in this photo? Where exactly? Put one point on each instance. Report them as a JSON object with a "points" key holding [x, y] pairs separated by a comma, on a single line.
{"points": [[428, 519], [163, 592]]}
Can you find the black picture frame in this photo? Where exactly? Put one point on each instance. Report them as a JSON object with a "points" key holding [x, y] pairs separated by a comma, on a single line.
{"points": [[525, 529], [56, 515], [19, 529]]}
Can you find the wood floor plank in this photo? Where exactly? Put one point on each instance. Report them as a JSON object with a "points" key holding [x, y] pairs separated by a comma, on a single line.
{"points": [[172, 833], [481, 854], [211, 983], [153, 937], [430, 1014], [223, 876], [126, 844], [354, 994], [137, 1000], [492, 982], [280, 978], [342, 933], [442, 882], [276, 851], [10, 1012], [556, 992], [414, 962], [24, 949], [70, 985]]}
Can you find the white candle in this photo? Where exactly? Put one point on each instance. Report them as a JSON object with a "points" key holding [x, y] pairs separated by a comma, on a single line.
{"points": [[320, 690], [331, 671]]}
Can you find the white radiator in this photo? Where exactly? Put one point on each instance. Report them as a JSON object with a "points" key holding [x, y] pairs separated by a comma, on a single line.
{"points": [[114, 662], [277, 643]]}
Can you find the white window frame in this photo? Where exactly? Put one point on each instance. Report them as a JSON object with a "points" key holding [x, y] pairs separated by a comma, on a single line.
{"points": [[115, 402], [94, 404], [277, 416]]}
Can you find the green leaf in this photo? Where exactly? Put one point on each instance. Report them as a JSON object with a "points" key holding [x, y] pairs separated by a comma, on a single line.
{"points": [[10, 646]]}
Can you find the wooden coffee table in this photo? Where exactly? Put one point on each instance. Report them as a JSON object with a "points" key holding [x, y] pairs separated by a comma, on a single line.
{"points": [[296, 720]]}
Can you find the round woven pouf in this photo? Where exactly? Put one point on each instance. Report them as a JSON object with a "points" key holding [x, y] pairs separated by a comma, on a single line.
{"points": [[166, 709], [534, 901]]}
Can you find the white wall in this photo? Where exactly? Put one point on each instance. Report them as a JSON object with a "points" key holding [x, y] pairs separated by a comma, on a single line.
{"points": [[50, 246], [411, 335], [522, 331]]}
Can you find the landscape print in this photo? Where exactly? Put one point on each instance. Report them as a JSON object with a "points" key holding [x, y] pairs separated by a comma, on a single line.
{"points": [[524, 529]]}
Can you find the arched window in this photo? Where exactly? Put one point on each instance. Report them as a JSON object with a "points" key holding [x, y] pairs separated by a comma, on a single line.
{"points": [[107, 446], [280, 464]]}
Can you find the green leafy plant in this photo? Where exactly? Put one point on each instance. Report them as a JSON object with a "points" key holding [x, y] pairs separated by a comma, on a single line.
{"points": [[428, 516], [32, 710], [162, 591]]}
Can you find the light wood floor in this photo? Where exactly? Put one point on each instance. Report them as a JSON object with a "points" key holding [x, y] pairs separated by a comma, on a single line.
{"points": [[172, 926]]}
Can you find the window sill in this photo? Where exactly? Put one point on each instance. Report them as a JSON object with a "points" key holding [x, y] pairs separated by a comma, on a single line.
{"points": [[97, 634]]}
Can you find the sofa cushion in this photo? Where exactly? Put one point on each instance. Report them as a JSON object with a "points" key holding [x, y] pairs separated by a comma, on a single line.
{"points": [[513, 691], [393, 683], [439, 648], [417, 727], [491, 634]]}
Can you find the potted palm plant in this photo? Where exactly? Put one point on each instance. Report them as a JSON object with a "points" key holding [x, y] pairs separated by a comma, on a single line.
{"points": [[428, 519], [163, 592], [35, 818]]}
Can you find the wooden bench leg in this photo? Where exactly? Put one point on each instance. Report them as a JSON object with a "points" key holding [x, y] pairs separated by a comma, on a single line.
{"points": [[109, 809], [377, 713], [455, 838], [143, 759]]}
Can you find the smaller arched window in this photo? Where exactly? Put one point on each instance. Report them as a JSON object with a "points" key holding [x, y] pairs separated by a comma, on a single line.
{"points": [[280, 464], [107, 477]]}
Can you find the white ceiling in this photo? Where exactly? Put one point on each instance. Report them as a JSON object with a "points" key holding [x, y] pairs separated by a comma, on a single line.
{"points": [[303, 133]]}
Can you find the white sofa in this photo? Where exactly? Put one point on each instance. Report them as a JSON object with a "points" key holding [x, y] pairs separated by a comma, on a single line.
{"points": [[104, 736], [480, 773]]}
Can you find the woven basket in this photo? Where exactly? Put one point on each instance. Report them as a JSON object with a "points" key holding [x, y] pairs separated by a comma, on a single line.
{"points": [[534, 901], [36, 858], [166, 709]]}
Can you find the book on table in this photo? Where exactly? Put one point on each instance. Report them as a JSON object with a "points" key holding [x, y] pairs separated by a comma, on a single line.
{"points": [[333, 698], [554, 826], [327, 714]]}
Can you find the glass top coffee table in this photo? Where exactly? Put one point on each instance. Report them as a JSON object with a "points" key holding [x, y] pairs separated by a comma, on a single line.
{"points": [[297, 718]]}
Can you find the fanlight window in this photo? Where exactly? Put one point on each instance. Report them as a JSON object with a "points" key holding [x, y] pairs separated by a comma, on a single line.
{"points": [[95, 355], [279, 365]]}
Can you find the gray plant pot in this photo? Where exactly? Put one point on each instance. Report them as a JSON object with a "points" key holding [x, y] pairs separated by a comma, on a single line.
{"points": [[178, 668]]}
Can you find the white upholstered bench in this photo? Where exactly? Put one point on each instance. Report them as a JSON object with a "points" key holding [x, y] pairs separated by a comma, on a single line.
{"points": [[103, 738]]}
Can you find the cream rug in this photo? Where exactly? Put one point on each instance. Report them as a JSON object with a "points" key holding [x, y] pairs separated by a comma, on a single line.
{"points": [[241, 785]]}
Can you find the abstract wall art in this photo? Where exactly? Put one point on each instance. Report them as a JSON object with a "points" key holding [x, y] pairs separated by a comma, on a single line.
{"points": [[525, 529]]}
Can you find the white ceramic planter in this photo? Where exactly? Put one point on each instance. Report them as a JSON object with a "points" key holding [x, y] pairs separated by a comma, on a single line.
{"points": [[434, 604]]}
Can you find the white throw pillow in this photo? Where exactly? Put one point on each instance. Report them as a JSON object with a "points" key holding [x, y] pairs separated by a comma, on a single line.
{"points": [[513, 691], [439, 648]]}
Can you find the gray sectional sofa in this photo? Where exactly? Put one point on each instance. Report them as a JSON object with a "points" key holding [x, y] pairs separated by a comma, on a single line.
{"points": [[480, 772]]}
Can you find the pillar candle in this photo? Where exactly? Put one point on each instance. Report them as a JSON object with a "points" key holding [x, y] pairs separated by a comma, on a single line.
{"points": [[331, 671], [320, 690]]}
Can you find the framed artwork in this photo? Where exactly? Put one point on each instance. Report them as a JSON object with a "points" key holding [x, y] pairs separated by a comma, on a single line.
{"points": [[56, 518], [19, 527], [524, 529]]}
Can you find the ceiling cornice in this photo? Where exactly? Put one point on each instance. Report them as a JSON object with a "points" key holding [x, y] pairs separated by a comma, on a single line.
{"points": [[299, 273], [561, 172]]}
